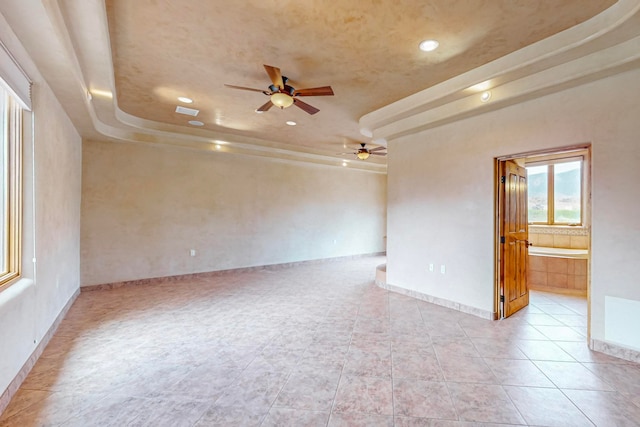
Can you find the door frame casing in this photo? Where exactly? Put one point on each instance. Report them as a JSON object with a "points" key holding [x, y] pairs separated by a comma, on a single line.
{"points": [[499, 232], [497, 167]]}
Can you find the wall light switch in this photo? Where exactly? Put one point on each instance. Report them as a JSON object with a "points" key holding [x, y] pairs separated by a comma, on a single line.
{"points": [[442, 269], [431, 268], [192, 252]]}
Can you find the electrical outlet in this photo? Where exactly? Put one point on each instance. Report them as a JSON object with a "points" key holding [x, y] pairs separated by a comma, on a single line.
{"points": [[192, 252], [431, 268], [443, 269]]}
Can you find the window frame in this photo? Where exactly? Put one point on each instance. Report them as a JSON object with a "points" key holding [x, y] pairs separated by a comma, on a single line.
{"points": [[12, 138], [550, 162]]}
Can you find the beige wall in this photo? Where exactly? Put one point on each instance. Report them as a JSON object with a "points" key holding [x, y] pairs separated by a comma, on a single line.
{"points": [[144, 208], [58, 174], [51, 228], [441, 207]]}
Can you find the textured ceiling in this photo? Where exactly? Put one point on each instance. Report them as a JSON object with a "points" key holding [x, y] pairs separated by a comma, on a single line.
{"points": [[366, 50]]}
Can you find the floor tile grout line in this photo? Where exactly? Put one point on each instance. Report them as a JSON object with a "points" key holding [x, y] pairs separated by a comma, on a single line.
{"points": [[577, 407], [393, 386], [444, 379], [514, 405], [335, 394]]}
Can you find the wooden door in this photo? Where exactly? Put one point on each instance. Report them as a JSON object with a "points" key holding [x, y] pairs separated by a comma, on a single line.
{"points": [[513, 239]]}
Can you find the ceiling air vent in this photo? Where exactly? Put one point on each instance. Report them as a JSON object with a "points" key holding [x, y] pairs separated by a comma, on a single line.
{"points": [[187, 111]]}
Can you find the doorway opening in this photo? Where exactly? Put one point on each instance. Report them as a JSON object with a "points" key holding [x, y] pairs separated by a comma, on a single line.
{"points": [[542, 225]]}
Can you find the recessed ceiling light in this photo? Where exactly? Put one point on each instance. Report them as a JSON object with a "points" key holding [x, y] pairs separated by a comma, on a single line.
{"points": [[480, 87], [102, 93], [429, 45], [185, 99], [291, 123], [218, 146], [344, 164], [485, 96], [196, 123]]}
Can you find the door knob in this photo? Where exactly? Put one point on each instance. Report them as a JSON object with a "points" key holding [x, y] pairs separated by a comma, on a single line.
{"points": [[526, 242]]}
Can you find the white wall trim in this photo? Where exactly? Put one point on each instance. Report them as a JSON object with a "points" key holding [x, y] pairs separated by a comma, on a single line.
{"points": [[14, 78]]}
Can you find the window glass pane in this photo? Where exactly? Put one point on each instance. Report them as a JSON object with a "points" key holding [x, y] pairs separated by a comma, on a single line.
{"points": [[538, 182], [10, 151], [4, 191], [567, 192]]}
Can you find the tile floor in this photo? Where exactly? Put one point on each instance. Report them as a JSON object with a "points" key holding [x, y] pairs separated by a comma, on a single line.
{"points": [[318, 345]]}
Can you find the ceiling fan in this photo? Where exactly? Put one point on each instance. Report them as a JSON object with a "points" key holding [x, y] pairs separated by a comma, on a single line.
{"points": [[363, 152], [282, 95]]}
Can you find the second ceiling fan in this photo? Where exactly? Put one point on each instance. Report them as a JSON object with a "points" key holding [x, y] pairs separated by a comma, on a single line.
{"points": [[283, 95], [363, 152]]}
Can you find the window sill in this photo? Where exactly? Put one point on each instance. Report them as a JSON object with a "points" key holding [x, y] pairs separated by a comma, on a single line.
{"points": [[14, 290]]}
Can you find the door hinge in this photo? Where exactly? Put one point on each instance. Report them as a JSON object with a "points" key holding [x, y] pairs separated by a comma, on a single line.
{"points": [[501, 239], [503, 179], [501, 298]]}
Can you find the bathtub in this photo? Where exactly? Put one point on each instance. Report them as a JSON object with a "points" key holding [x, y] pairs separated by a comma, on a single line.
{"points": [[559, 252], [559, 270]]}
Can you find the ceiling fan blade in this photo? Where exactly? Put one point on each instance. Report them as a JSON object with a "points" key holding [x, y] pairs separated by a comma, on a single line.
{"points": [[304, 106], [377, 154], [275, 75], [377, 149], [266, 106], [314, 91], [245, 88]]}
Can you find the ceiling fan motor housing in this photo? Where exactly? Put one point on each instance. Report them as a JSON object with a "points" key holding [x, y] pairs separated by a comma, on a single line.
{"points": [[289, 90], [282, 95]]}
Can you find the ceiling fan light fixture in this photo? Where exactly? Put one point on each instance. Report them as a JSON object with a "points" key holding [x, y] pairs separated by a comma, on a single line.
{"points": [[363, 155], [281, 100]]}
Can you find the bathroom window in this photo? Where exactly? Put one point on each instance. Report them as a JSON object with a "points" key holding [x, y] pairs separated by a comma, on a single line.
{"points": [[555, 191]]}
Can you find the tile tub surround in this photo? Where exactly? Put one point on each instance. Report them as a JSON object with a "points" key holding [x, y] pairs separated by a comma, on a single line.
{"points": [[317, 345], [559, 237], [554, 273], [558, 274]]}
